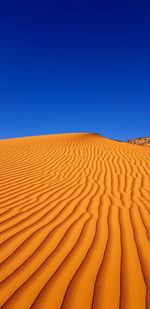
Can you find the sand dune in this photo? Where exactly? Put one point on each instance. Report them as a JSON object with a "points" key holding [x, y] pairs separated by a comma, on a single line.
{"points": [[75, 223]]}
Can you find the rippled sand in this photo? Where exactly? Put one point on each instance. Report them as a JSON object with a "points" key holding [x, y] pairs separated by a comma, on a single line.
{"points": [[75, 223]]}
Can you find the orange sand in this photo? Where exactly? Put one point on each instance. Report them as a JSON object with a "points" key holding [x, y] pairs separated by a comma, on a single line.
{"points": [[75, 223]]}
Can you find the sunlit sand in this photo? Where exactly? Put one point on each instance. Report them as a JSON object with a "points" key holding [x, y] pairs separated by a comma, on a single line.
{"points": [[75, 223]]}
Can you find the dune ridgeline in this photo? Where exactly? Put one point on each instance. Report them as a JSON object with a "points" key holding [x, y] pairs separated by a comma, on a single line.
{"points": [[75, 223]]}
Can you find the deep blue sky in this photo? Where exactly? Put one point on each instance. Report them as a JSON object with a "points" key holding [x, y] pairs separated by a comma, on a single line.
{"points": [[71, 66]]}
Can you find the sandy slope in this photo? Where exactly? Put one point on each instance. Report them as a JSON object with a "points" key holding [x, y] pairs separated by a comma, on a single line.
{"points": [[75, 223]]}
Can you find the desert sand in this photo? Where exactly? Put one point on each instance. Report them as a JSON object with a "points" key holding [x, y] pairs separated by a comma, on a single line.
{"points": [[75, 223]]}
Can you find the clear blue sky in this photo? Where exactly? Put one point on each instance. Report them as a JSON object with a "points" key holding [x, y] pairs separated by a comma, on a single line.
{"points": [[71, 66]]}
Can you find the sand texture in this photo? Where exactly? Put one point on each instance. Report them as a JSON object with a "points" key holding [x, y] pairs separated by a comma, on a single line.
{"points": [[75, 223]]}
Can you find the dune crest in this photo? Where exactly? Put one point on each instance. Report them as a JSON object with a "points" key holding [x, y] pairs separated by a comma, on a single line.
{"points": [[75, 223]]}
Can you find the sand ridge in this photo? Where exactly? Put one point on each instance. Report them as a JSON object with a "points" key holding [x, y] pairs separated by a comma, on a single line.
{"points": [[75, 223]]}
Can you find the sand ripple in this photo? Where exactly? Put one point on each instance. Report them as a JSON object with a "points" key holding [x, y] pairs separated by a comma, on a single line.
{"points": [[75, 223]]}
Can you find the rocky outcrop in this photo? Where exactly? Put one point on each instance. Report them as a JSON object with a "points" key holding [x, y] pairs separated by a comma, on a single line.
{"points": [[144, 141]]}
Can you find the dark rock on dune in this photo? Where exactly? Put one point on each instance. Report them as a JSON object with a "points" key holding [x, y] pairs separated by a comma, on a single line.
{"points": [[144, 141]]}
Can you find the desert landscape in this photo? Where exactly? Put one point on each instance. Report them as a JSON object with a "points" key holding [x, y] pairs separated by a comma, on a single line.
{"points": [[75, 223]]}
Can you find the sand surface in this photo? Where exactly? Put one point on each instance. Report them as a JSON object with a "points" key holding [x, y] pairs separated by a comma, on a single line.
{"points": [[75, 223]]}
